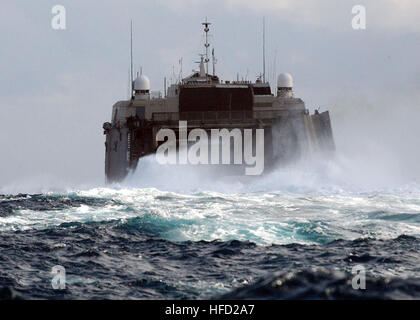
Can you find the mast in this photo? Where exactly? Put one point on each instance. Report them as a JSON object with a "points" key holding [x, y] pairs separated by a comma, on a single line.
{"points": [[214, 62], [129, 84], [131, 59], [206, 30], [180, 70], [263, 49]]}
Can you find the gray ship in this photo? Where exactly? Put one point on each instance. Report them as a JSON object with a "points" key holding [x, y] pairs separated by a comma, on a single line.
{"points": [[206, 102]]}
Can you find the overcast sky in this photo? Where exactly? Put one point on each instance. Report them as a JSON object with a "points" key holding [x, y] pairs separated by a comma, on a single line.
{"points": [[58, 87]]}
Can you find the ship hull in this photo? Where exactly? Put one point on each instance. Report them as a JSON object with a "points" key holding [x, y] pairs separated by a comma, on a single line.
{"points": [[288, 136]]}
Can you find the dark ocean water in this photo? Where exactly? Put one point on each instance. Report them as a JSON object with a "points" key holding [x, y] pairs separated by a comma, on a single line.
{"points": [[134, 244]]}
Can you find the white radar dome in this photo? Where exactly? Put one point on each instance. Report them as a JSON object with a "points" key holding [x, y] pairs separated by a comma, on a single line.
{"points": [[285, 80], [142, 83]]}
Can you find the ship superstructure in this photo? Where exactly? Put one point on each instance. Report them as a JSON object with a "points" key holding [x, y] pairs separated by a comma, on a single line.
{"points": [[206, 102]]}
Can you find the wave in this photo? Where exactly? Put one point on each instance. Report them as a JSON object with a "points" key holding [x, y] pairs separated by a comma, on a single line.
{"points": [[118, 259], [324, 283], [264, 218]]}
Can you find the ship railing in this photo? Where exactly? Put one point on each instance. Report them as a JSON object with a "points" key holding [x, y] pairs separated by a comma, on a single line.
{"points": [[274, 114], [267, 114], [204, 116], [165, 116], [219, 116]]}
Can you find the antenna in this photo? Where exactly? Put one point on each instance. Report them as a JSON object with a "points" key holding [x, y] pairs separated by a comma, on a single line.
{"points": [[131, 58], [129, 84], [275, 70], [180, 69], [206, 30], [264, 49], [214, 62], [173, 73]]}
